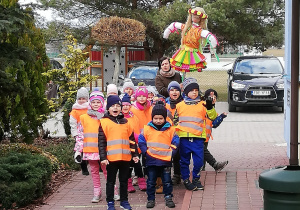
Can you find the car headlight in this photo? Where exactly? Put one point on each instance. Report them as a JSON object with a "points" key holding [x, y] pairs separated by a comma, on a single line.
{"points": [[280, 85], [236, 85]]}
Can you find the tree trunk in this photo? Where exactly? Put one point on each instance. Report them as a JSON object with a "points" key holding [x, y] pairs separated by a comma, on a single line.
{"points": [[117, 65]]}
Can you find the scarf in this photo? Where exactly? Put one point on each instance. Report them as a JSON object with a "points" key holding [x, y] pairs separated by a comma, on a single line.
{"points": [[190, 101], [140, 106], [128, 115], [80, 106], [169, 73], [96, 114], [174, 102]]}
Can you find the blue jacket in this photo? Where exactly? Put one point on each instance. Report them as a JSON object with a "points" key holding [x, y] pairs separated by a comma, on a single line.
{"points": [[150, 161]]}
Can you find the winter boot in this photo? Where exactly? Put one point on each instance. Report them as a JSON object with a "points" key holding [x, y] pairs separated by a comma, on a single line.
{"points": [[189, 186], [159, 186], [218, 166], [150, 204], [198, 184], [142, 184], [130, 188], [169, 202]]}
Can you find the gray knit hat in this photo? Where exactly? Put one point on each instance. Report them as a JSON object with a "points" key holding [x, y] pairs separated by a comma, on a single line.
{"points": [[82, 93], [189, 84], [128, 84]]}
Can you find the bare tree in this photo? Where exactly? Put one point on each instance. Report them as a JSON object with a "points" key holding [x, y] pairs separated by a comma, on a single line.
{"points": [[118, 32]]}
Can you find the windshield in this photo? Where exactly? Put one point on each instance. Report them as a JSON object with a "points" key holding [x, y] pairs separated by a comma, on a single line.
{"points": [[258, 66], [143, 72]]}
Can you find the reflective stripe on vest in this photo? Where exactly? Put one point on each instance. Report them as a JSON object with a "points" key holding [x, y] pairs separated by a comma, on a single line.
{"points": [[159, 142], [90, 133], [191, 118], [118, 143]]}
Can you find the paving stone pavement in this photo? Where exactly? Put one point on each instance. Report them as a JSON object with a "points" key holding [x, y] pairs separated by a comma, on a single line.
{"points": [[251, 140]]}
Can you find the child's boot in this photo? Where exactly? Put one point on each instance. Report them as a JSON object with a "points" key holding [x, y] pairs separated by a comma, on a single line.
{"points": [[150, 204], [142, 184], [197, 183], [169, 202], [218, 166], [159, 186], [130, 188], [188, 185], [125, 205], [111, 205]]}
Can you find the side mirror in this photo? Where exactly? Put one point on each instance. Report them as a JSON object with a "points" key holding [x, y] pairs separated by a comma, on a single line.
{"points": [[229, 71], [121, 77]]}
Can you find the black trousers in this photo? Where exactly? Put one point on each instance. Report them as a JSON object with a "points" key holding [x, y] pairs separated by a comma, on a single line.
{"points": [[176, 164], [138, 170], [112, 170], [208, 157]]}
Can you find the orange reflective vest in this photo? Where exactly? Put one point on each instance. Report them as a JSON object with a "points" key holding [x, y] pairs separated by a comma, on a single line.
{"points": [[208, 126], [90, 133], [159, 142], [134, 122], [118, 143], [144, 116], [76, 113], [191, 117]]}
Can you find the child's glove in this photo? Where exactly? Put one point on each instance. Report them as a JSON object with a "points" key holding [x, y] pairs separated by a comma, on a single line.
{"points": [[77, 157]]}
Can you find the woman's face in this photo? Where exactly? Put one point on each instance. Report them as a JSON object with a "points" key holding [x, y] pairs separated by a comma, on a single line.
{"points": [[165, 65], [196, 19]]}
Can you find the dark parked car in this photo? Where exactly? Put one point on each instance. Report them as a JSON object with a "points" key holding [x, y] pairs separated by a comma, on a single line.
{"points": [[144, 71], [255, 81]]}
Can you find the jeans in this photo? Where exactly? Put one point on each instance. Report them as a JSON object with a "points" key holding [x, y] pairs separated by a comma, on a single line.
{"points": [[165, 173], [112, 170]]}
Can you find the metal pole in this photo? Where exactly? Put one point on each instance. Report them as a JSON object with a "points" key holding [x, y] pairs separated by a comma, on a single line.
{"points": [[294, 83]]}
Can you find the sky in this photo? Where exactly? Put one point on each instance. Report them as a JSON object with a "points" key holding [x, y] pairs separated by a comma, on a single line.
{"points": [[47, 14]]}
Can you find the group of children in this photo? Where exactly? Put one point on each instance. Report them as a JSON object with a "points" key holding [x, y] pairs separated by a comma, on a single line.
{"points": [[117, 134]]}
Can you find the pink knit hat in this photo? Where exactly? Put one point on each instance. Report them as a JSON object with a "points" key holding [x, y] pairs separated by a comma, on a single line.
{"points": [[141, 90]]}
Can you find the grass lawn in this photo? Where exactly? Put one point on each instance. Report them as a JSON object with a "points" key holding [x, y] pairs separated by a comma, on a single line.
{"points": [[216, 80]]}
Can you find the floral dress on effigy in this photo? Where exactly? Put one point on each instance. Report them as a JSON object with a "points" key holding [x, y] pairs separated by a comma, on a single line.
{"points": [[189, 57]]}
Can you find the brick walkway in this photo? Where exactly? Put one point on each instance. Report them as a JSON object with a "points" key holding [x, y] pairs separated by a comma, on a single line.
{"points": [[251, 141]]}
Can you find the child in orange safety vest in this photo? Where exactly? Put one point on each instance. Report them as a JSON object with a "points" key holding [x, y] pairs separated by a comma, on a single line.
{"points": [[158, 142], [134, 121], [87, 140], [117, 147], [79, 108], [190, 117]]}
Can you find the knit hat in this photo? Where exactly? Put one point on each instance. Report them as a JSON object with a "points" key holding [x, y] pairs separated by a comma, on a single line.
{"points": [[189, 84], [159, 109], [96, 94], [112, 100], [128, 84], [141, 90], [82, 93], [126, 99], [111, 88], [208, 91], [151, 89], [174, 85]]}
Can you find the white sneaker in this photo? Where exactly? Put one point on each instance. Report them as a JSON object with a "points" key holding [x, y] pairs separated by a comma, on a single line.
{"points": [[96, 199], [135, 181], [116, 197]]}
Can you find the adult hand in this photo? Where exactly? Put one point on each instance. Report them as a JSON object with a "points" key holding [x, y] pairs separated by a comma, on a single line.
{"points": [[135, 159]]}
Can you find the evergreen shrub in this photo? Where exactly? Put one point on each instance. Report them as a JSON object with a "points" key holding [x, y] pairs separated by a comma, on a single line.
{"points": [[23, 178]]}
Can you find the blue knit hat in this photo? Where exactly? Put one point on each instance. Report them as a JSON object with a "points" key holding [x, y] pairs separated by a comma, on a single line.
{"points": [[112, 100], [126, 98], [175, 85]]}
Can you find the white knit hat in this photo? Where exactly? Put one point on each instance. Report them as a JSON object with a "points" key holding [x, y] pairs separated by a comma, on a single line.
{"points": [[128, 84], [112, 88], [82, 93]]}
